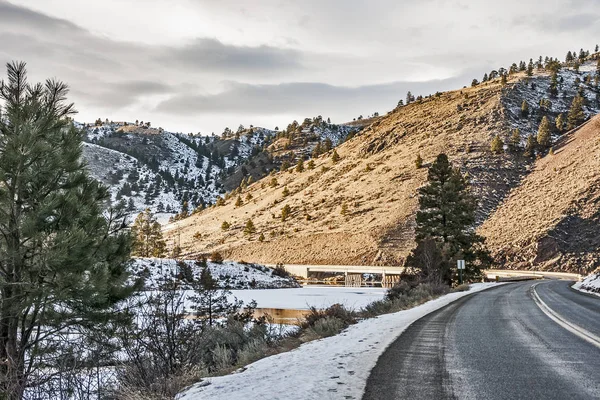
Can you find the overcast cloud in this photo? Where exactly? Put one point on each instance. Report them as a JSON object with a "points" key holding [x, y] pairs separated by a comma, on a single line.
{"points": [[201, 65]]}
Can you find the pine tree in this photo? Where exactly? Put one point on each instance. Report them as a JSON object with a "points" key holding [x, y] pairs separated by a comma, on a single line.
{"points": [[335, 157], [209, 301], [530, 146], [261, 238], [524, 109], [530, 68], [300, 165], [225, 226], [447, 215], [147, 236], [554, 84], [515, 140], [249, 229], [503, 79], [344, 210], [543, 135], [311, 164], [239, 202], [576, 115], [285, 212], [419, 161], [497, 145], [63, 256], [569, 58], [285, 192], [560, 122]]}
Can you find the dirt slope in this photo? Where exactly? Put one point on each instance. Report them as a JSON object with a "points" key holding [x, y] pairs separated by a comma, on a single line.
{"points": [[376, 179], [552, 220]]}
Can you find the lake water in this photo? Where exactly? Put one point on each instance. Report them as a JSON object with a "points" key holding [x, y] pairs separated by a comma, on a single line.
{"points": [[286, 306]]}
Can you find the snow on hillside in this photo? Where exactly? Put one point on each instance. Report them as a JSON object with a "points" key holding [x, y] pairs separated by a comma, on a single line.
{"points": [[114, 169], [537, 88], [591, 284], [230, 275], [332, 368]]}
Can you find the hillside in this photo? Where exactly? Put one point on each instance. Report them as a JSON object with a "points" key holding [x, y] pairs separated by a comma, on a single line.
{"points": [[374, 184], [150, 167], [552, 220]]}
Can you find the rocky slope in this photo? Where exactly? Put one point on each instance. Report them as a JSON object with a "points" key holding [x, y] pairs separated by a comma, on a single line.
{"points": [[360, 210]]}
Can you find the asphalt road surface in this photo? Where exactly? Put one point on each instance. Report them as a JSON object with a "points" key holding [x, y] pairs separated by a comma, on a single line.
{"points": [[497, 344]]}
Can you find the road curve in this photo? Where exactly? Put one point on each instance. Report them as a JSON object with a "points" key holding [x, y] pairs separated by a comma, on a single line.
{"points": [[496, 344]]}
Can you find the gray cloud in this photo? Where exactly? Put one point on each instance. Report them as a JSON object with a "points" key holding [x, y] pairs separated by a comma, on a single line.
{"points": [[170, 61], [214, 55]]}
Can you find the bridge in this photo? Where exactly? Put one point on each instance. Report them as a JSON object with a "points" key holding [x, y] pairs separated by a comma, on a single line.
{"points": [[353, 273], [391, 275]]}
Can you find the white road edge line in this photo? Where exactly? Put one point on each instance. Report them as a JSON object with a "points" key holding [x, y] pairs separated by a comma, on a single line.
{"points": [[553, 315]]}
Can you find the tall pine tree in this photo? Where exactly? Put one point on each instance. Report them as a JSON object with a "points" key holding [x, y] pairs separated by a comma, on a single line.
{"points": [[543, 135], [576, 115], [62, 257], [147, 236], [447, 215]]}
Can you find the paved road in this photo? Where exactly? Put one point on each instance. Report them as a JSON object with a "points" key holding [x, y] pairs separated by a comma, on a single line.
{"points": [[496, 344]]}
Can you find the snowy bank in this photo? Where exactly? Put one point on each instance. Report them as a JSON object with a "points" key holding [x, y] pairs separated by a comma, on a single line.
{"points": [[333, 368], [229, 274], [591, 284]]}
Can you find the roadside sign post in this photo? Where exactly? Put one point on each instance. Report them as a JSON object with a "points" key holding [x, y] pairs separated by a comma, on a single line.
{"points": [[460, 265]]}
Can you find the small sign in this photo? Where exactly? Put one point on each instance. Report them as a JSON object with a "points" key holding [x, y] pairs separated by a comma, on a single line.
{"points": [[460, 264]]}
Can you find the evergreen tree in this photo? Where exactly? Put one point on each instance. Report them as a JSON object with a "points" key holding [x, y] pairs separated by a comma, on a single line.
{"points": [[524, 109], [447, 215], [225, 226], [335, 157], [530, 68], [209, 301], [497, 145], [569, 58], [239, 202], [300, 165], [560, 122], [285, 192], [554, 84], [147, 236], [419, 161], [503, 79], [576, 115], [63, 258], [344, 210], [530, 146], [515, 140], [249, 229], [285, 212], [311, 164], [543, 135]]}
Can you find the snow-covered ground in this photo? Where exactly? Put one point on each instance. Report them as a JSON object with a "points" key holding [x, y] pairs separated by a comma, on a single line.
{"points": [[333, 368], [229, 274], [591, 284], [311, 296]]}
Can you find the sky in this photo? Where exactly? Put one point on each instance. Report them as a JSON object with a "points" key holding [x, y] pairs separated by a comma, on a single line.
{"points": [[202, 65]]}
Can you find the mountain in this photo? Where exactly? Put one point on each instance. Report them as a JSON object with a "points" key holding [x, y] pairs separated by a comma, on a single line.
{"points": [[360, 210], [150, 167]]}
